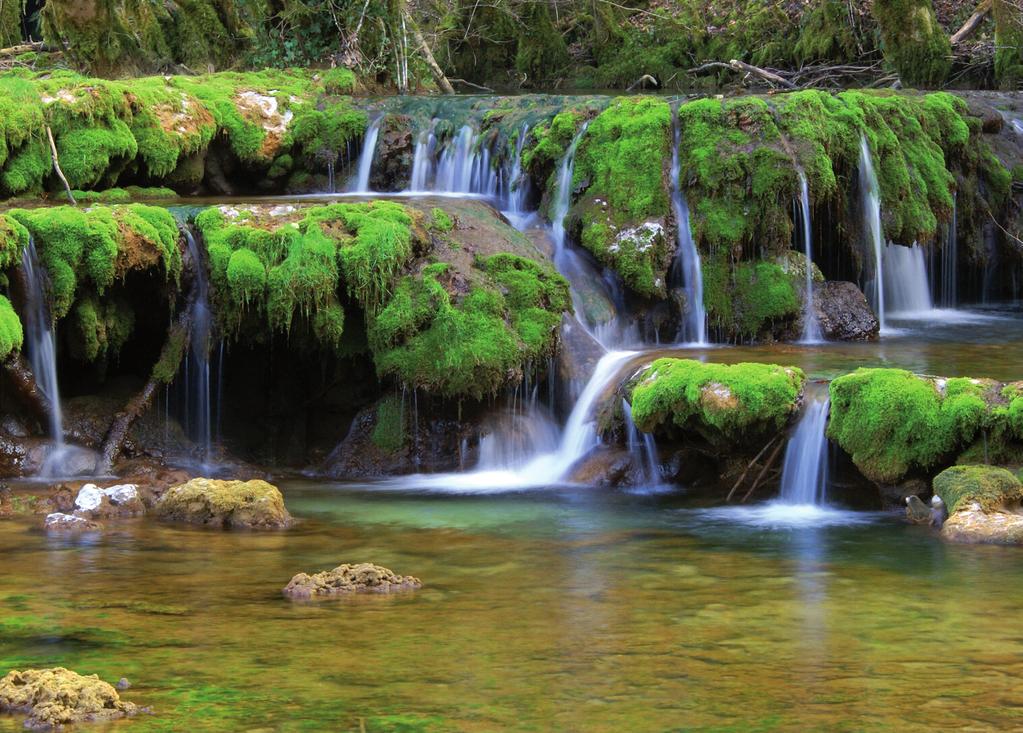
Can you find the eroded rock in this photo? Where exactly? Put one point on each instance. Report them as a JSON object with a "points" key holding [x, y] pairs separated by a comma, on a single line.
{"points": [[57, 697], [344, 579], [252, 504], [843, 312], [69, 524], [984, 504]]}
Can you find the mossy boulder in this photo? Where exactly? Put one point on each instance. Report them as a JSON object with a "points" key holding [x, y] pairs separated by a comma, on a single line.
{"points": [[347, 579], [228, 504], [893, 422], [56, 697], [725, 404], [983, 504], [913, 41]]}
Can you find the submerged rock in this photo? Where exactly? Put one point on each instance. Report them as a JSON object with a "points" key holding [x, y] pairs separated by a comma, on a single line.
{"points": [[229, 504], [69, 523], [916, 511], [362, 578], [57, 697], [843, 312], [984, 504]]}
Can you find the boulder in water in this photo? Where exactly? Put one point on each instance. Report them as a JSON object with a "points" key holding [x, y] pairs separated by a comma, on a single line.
{"points": [[120, 500], [57, 697], [345, 579], [252, 504], [916, 511], [843, 312], [984, 504], [69, 524]]}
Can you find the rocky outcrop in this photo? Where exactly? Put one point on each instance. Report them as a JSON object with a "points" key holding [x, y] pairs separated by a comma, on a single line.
{"points": [[346, 579], [843, 312], [984, 504], [57, 697], [228, 504]]}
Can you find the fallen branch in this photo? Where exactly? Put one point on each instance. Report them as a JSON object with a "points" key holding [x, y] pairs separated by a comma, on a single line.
{"points": [[56, 166], [470, 84], [763, 472], [768, 76], [749, 466], [972, 24]]}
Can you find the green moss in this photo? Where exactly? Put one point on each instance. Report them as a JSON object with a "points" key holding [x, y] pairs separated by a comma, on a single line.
{"points": [[1008, 44], [541, 52], [13, 240], [892, 422], [913, 41], [621, 159], [991, 487], [724, 403], [389, 430], [749, 301], [100, 328], [246, 276], [11, 334], [440, 221], [338, 81], [171, 354]]}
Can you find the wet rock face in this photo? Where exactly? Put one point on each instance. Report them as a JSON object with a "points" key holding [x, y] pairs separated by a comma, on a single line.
{"points": [[395, 150], [843, 312], [57, 697], [228, 504], [346, 579]]}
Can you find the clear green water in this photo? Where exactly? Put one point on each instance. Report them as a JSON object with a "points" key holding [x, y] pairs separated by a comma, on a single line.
{"points": [[568, 610]]}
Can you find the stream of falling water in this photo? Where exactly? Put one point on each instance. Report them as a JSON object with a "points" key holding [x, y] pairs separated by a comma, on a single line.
{"points": [[870, 202], [369, 148], [811, 327], [686, 270]]}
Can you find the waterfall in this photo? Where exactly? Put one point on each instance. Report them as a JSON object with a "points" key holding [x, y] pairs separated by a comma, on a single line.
{"points": [[563, 197], [464, 165], [1017, 125], [422, 159], [870, 201], [42, 349], [804, 477], [369, 149], [811, 328], [518, 184], [197, 367], [686, 270], [642, 448], [907, 289]]}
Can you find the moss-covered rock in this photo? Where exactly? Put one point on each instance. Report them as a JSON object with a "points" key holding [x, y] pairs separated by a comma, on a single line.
{"points": [[56, 697], [1008, 43], [725, 404], [892, 422], [347, 579], [227, 504], [983, 504], [620, 168], [754, 301]]}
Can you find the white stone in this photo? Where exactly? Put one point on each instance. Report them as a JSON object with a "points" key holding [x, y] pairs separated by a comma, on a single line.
{"points": [[89, 498], [122, 493], [58, 519]]}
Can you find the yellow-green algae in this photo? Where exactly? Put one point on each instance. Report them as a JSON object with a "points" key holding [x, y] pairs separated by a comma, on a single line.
{"points": [[724, 403]]}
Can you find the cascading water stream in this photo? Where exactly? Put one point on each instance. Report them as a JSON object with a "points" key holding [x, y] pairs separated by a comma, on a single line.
{"points": [[686, 270], [805, 473], [907, 291], [870, 201], [518, 185], [422, 159], [369, 148], [949, 293], [42, 351], [197, 374], [642, 448], [811, 327]]}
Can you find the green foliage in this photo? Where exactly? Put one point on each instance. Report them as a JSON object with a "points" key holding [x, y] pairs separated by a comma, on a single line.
{"points": [[11, 334], [726, 404], [440, 221], [913, 42], [991, 487], [541, 52], [13, 240], [1008, 44], [338, 81], [892, 422], [389, 431]]}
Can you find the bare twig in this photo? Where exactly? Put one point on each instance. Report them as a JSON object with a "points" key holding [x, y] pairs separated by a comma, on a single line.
{"points": [[749, 466], [763, 472], [471, 84], [56, 166]]}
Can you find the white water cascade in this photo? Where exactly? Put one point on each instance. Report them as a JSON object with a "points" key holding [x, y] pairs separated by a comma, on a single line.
{"points": [[948, 294], [686, 270], [42, 351], [197, 367], [870, 202], [642, 447], [369, 149], [811, 328], [805, 473], [907, 290], [464, 166], [518, 185], [422, 159]]}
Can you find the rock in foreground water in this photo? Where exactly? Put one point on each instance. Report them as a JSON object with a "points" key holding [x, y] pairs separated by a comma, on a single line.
{"points": [[362, 578], [984, 504], [56, 697], [229, 504]]}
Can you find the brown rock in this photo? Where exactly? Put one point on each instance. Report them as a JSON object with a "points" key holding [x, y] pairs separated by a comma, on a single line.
{"points": [[344, 579], [228, 504]]}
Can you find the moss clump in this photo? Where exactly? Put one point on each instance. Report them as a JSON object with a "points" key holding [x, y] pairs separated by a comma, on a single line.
{"points": [[751, 301], [440, 221], [389, 430], [913, 41], [621, 160], [11, 333], [726, 404], [1008, 44], [991, 487], [13, 240], [891, 421], [93, 247], [338, 81], [100, 328]]}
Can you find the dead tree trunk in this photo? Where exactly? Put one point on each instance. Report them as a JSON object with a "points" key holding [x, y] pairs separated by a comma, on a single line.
{"points": [[972, 24], [431, 62]]}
